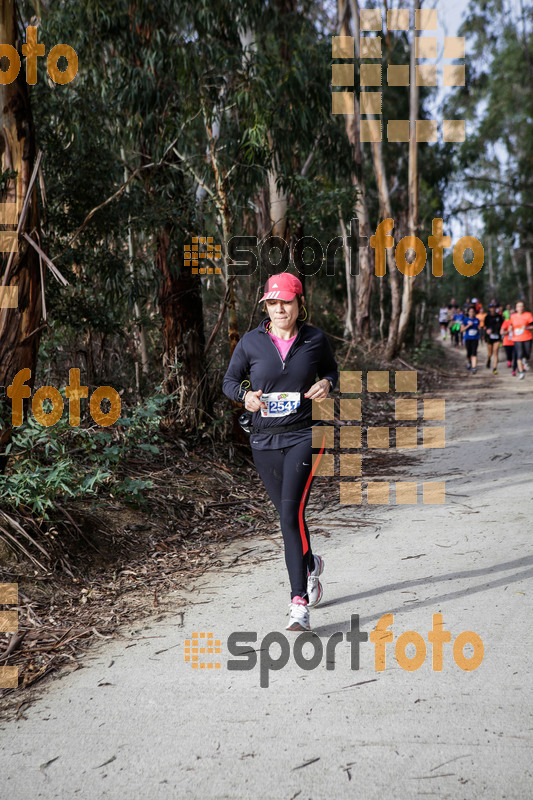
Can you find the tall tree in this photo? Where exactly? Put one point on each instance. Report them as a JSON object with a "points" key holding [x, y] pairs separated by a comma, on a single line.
{"points": [[353, 131], [385, 210], [20, 328], [494, 166], [412, 217]]}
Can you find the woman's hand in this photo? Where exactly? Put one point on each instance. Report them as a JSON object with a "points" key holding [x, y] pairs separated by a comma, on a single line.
{"points": [[318, 391], [252, 401]]}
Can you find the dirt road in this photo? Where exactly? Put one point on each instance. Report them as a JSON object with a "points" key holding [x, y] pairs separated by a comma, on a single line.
{"points": [[138, 721]]}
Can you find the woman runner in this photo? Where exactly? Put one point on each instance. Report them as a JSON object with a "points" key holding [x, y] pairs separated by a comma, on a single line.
{"points": [[493, 323], [481, 314], [522, 324], [282, 358], [508, 345], [444, 315], [470, 330]]}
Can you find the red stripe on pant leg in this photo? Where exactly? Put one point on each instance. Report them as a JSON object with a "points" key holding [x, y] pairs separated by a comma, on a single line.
{"points": [[305, 546]]}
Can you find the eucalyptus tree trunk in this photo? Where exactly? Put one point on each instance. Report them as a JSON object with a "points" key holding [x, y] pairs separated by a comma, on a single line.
{"points": [[20, 328], [412, 219], [180, 303], [380, 172], [277, 199], [519, 283], [491, 269], [138, 330], [391, 347], [349, 321], [221, 199], [352, 122]]}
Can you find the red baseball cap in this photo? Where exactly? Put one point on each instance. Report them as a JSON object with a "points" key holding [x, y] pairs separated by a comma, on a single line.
{"points": [[282, 287]]}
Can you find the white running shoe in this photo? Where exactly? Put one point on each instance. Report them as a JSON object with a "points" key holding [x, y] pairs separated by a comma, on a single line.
{"points": [[299, 615], [314, 587], [526, 365], [521, 376]]}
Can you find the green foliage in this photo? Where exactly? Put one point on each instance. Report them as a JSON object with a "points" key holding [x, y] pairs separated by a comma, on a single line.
{"points": [[197, 101], [495, 164], [57, 464]]}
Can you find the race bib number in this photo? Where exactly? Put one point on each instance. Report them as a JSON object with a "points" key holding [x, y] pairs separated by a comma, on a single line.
{"points": [[280, 405], [518, 331], [472, 332], [494, 336]]}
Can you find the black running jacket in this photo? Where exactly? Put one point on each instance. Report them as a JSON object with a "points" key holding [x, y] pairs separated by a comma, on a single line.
{"points": [[256, 357]]}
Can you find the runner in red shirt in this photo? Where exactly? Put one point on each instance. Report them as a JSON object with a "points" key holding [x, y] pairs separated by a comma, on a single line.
{"points": [[522, 325], [508, 344]]}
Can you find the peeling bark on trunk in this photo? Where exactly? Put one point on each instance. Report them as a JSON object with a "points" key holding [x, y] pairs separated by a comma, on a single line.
{"points": [[19, 327]]}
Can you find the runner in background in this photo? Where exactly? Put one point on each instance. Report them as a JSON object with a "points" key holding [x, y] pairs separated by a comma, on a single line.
{"points": [[507, 311], [507, 331], [493, 323], [455, 327], [522, 324], [443, 321], [470, 330], [481, 314]]}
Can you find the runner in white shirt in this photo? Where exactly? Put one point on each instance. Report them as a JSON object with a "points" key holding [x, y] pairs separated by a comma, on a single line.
{"points": [[444, 316]]}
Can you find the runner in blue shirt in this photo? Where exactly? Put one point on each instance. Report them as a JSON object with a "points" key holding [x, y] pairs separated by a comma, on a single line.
{"points": [[470, 331]]}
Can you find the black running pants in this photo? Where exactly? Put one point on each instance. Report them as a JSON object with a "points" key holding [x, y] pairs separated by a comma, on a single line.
{"points": [[471, 347], [286, 473], [511, 355]]}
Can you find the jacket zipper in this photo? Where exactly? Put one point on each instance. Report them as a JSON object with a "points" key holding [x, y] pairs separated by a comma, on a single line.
{"points": [[277, 351]]}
